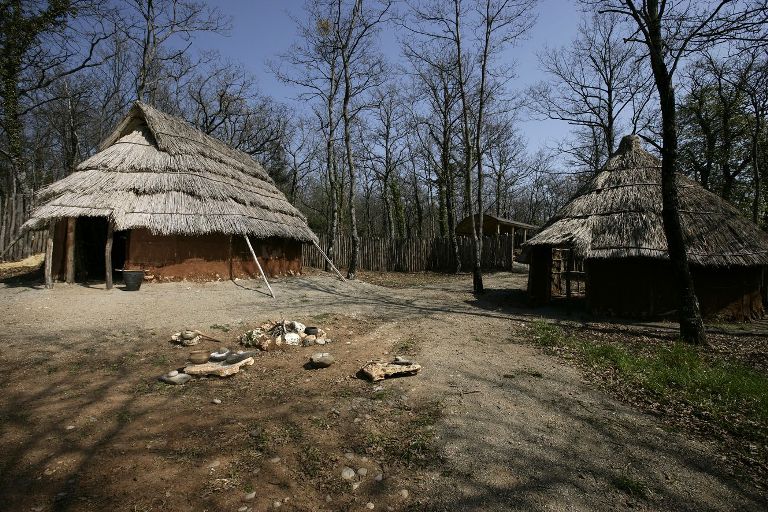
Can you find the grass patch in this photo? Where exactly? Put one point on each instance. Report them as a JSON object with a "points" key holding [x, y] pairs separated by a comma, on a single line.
{"points": [[407, 346], [631, 486], [412, 443], [673, 373]]}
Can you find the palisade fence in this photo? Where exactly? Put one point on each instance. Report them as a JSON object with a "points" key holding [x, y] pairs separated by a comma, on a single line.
{"points": [[14, 211], [413, 254]]}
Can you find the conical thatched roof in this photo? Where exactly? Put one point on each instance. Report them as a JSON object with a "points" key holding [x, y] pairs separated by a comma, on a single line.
{"points": [[158, 172], [618, 215]]}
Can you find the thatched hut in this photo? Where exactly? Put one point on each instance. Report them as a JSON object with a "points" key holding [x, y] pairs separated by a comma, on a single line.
{"points": [[611, 238], [493, 225], [172, 201]]}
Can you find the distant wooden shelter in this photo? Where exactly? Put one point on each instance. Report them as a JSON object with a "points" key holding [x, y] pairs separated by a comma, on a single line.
{"points": [[164, 197], [493, 225], [610, 240]]}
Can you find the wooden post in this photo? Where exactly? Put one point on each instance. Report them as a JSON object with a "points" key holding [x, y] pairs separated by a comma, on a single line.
{"points": [[70, 250], [108, 254], [49, 255], [329, 262], [258, 265], [568, 269]]}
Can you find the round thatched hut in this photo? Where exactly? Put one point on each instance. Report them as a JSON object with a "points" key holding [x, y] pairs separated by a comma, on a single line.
{"points": [[164, 197], [609, 242]]}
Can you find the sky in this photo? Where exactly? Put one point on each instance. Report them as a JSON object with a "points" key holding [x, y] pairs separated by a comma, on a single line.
{"points": [[264, 29]]}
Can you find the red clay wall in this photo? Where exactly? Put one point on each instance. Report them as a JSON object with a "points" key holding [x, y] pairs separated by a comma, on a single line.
{"points": [[208, 256], [642, 287]]}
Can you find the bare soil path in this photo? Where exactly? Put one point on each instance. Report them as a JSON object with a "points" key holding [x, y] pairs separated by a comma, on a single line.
{"points": [[513, 429]]}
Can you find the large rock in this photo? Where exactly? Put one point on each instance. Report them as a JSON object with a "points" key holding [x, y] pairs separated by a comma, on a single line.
{"points": [[217, 369], [292, 338], [377, 370], [321, 360]]}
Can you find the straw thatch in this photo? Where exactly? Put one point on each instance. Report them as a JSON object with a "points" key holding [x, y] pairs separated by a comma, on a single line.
{"points": [[158, 172], [618, 215]]}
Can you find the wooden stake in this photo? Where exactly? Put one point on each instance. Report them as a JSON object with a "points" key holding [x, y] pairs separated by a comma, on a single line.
{"points": [[258, 265], [49, 255], [70, 250], [108, 254], [329, 261]]}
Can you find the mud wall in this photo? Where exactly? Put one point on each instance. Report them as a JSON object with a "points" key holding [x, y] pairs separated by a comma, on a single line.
{"points": [[210, 256], [641, 287]]}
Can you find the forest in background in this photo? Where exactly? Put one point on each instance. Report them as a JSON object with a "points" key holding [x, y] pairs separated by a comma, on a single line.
{"points": [[396, 149]]}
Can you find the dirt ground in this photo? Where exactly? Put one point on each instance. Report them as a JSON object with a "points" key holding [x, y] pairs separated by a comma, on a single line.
{"points": [[491, 423]]}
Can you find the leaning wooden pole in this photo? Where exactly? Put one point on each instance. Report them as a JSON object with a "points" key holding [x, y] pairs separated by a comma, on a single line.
{"points": [[328, 260], [108, 254], [49, 255], [258, 265]]}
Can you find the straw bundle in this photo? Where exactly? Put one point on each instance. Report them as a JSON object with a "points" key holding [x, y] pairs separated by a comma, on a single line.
{"points": [[158, 172], [618, 215]]}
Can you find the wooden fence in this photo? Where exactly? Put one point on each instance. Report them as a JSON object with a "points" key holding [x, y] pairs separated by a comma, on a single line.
{"points": [[14, 211], [413, 254]]}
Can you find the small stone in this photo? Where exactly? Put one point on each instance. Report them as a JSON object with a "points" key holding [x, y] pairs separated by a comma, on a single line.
{"points": [[274, 460], [320, 341], [310, 338], [70, 427], [403, 360], [370, 506], [362, 471], [376, 389], [177, 378], [321, 360], [250, 496], [328, 498], [277, 504], [347, 473], [215, 464], [355, 485], [291, 338], [349, 455], [404, 493], [242, 509], [216, 401], [379, 477]]}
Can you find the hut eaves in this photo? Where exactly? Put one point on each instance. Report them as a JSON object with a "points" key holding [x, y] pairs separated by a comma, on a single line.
{"points": [[158, 172], [618, 214]]}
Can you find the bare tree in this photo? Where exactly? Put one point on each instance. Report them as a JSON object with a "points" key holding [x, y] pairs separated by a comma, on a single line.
{"points": [[669, 30], [597, 86]]}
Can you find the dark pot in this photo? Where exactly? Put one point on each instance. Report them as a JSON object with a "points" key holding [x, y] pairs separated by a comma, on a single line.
{"points": [[310, 331], [133, 279]]}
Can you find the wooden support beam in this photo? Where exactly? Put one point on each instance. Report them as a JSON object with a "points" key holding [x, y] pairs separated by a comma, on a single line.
{"points": [[49, 255], [108, 254], [70, 250], [258, 265], [328, 260]]}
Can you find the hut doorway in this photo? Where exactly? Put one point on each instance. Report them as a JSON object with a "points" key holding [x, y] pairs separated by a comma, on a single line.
{"points": [[567, 276], [90, 241]]}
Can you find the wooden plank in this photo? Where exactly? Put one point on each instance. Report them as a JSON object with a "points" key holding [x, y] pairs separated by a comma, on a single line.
{"points": [[108, 254], [70, 250], [49, 255]]}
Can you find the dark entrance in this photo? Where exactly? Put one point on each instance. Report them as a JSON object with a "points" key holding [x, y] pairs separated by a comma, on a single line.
{"points": [[90, 240]]}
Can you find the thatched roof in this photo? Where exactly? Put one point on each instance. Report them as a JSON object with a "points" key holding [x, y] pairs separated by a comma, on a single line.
{"points": [[158, 172], [618, 215]]}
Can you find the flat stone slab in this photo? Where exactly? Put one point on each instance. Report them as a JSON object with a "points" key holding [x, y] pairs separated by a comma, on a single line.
{"points": [[217, 369], [377, 370]]}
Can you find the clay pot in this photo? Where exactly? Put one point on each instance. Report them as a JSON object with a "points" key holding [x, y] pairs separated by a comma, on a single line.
{"points": [[199, 356]]}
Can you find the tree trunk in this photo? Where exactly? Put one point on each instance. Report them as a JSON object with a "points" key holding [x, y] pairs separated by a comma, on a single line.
{"points": [[691, 324], [756, 166], [352, 269]]}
